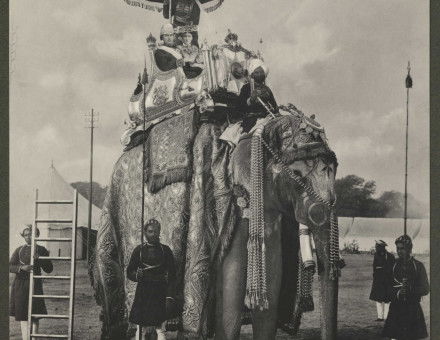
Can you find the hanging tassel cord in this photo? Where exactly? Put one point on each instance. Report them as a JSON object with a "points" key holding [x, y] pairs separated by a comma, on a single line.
{"points": [[256, 286]]}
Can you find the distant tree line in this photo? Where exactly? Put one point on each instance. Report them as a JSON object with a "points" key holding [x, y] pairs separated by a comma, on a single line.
{"points": [[356, 198]]}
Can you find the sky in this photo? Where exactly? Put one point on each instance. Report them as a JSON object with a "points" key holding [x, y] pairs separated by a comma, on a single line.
{"points": [[344, 61]]}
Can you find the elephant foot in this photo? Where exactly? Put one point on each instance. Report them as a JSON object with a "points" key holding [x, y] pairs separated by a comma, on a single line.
{"points": [[289, 328]]}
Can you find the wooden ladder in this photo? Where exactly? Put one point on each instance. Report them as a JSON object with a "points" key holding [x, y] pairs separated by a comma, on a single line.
{"points": [[73, 222]]}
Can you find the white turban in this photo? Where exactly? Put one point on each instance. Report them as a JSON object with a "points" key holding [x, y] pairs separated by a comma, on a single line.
{"points": [[256, 63], [167, 29]]}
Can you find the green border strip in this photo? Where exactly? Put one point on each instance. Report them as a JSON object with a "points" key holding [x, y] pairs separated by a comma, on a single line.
{"points": [[4, 168], [435, 166]]}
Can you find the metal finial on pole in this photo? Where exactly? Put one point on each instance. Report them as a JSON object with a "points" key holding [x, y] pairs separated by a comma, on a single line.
{"points": [[171, 11], [408, 83]]}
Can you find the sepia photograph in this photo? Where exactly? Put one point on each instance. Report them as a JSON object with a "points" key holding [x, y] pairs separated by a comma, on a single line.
{"points": [[219, 169]]}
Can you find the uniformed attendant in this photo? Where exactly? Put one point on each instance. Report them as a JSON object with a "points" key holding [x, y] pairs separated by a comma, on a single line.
{"points": [[20, 265], [152, 267], [409, 283], [248, 100], [382, 270]]}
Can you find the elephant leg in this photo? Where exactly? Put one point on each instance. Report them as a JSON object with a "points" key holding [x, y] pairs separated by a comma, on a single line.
{"points": [[328, 287], [265, 322], [233, 283]]}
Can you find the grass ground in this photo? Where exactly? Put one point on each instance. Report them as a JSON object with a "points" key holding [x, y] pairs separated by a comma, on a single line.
{"points": [[356, 313]]}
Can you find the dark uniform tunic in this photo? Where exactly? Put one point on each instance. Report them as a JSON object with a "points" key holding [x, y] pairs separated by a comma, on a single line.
{"points": [[157, 283], [19, 302], [382, 274], [255, 111], [405, 319]]}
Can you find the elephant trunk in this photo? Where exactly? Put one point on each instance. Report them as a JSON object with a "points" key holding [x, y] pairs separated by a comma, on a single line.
{"points": [[328, 288]]}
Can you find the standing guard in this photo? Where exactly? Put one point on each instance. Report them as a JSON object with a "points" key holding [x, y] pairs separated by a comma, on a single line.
{"points": [[382, 273], [409, 283], [20, 265], [152, 267]]}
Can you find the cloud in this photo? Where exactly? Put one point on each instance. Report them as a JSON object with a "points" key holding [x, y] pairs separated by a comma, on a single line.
{"points": [[54, 80], [130, 47]]}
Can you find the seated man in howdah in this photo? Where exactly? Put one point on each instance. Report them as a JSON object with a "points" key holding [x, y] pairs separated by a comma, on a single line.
{"points": [[184, 13], [256, 98], [166, 56]]}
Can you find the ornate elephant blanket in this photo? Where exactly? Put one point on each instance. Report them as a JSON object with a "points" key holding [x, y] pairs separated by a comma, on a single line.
{"points": [[192, 215], [170, 151]]}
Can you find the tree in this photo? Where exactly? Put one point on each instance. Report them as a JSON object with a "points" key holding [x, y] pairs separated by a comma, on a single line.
{"points": [[355, 196], [394, 201]]}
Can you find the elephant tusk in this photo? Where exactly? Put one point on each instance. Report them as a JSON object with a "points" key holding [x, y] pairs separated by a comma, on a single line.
{"points": [[306, 246]]}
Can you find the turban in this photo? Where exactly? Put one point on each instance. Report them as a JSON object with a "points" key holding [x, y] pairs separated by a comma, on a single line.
{"points": [[152, 222], [167, 29], [405, 240], [255, 63], [381, 243], [29, 227]]}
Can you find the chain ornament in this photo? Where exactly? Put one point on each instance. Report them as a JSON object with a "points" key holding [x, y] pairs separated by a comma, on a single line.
{"points": [[334, 257], [256, 287]]}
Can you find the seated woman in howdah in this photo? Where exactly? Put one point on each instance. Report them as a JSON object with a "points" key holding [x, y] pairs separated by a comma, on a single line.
{"points": [[192, 58]]}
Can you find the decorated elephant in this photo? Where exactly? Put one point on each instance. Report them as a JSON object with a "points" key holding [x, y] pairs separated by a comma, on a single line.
{"points": [[283, 175], [196, 186]]}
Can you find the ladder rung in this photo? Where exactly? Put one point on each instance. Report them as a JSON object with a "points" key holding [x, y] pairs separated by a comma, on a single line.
{"points": [[59, 239], [50, 316], [52, 296], [58, 277], [54, 336], [54, 202], [52, 221], [60, 258]]}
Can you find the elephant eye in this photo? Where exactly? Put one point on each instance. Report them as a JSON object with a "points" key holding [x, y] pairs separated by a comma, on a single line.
{"points": [[297, 172]]}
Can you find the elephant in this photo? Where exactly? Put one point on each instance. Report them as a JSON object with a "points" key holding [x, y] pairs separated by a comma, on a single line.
{"points": [[204, 226], [294, 160]]}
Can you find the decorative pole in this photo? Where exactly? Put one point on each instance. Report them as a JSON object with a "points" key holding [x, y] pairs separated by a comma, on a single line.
{"points": [[171, 11], [144, 84], [92, 120], [408, 83]]}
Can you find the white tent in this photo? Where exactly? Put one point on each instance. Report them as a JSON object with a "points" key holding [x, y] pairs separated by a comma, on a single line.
{"points": [[366, 230], [55, 187]]}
